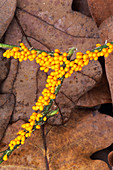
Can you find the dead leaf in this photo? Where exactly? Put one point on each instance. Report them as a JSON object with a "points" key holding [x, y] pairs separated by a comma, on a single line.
{"points": [[106, 33], [71, 145], [6, 110], [4, 68], [100, 94], [7, 9], [100, 10]]}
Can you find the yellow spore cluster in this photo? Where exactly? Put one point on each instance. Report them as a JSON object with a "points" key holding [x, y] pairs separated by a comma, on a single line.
{"points": [[62, 67], [22, 53], [56, 61], [24, 134]]}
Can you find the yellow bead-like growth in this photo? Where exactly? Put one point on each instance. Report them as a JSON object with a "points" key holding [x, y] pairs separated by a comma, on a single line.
{"points": [[37, 127], [5, 158]]}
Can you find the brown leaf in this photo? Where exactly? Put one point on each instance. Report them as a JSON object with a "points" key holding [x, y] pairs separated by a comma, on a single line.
{"points": [[100, 10], [13, 167], [48, 10], [7, 9], [4, 67], [106, 33], [78, 31], [100, 94], [110, 158], [6, 110], [71, 145]]}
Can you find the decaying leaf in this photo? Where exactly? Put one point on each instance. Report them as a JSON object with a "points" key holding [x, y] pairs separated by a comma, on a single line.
{"points": [[100, 10], [7, 9]]}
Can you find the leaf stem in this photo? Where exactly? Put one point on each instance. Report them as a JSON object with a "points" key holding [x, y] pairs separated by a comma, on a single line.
{"points": [[101, 47], [7, 46]]}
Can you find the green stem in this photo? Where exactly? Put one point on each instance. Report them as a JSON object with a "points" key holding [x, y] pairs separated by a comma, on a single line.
{"points": [[101, 47], [52, 113], [7, 46]]}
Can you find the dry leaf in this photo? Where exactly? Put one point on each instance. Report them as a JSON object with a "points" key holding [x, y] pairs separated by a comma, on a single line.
{"points": [[100, 94], [100, 10], [7, 9], [106, 33], [71, 145]]}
